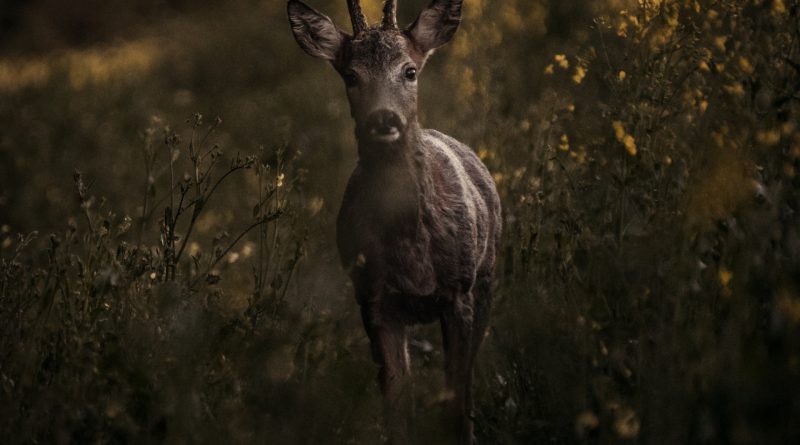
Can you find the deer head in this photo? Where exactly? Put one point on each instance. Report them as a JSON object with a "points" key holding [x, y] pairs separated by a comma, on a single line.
{"points": [[379, 64]]}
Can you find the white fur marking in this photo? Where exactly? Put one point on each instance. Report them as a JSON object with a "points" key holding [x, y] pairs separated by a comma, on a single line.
{"points": [[468, 190]]}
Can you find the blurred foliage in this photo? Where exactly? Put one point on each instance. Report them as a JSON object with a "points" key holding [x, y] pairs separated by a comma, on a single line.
{"points": [[646, 153]]}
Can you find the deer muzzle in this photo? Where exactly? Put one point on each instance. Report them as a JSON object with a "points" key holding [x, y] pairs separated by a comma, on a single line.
{"points": [[384, 126]]}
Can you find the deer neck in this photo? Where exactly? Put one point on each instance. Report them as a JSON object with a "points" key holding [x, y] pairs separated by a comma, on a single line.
{"points": [[395, 178]]}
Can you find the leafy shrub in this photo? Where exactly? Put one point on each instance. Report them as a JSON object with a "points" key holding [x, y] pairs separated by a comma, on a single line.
{"points": [[646, 153]]}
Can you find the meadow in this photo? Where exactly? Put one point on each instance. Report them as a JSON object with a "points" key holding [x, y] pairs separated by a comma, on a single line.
{"points": [[170, 173]]}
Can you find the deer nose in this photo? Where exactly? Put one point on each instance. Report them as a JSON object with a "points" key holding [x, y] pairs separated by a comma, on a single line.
{"points": [[384, 126]]}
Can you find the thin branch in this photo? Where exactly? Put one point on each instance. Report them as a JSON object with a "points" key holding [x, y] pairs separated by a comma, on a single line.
{"points": [[270, 217]]}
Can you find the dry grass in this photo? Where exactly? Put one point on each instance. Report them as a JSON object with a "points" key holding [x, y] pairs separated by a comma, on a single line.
{"points": [[646, 154]]}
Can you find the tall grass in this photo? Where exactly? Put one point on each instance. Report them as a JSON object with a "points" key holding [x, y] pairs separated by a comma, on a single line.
{"points": [[177, 291]]}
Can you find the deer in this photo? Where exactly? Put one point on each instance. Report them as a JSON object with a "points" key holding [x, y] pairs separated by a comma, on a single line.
{"points": [[420, 222]]}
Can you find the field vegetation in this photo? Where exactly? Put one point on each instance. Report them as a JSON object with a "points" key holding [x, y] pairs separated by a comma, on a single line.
{"points": [[170, 173]]}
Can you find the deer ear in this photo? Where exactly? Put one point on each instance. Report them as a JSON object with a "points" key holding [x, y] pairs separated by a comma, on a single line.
{"points": [[436, 24], [314, 31]]}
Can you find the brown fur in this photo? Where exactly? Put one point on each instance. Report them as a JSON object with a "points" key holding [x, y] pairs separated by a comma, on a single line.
{"points": [[419, 225]]}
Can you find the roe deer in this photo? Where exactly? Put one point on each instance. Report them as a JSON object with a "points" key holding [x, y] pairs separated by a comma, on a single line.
{"points": [[420, 221]]}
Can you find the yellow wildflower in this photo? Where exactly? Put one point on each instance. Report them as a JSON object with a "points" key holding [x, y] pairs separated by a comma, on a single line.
{"points": [[619, 129], [564, 143], [622, 136], [580, 73], [769, 137], [725, 276], [630, 144], [622, 29], [745, 65], [719, 42], [735, 89]]}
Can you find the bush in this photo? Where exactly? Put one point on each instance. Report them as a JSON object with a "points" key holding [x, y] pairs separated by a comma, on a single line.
{"points": [[646, 154]]}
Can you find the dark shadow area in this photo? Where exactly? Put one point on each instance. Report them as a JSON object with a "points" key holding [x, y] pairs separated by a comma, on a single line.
{"points": [[170, 277]]}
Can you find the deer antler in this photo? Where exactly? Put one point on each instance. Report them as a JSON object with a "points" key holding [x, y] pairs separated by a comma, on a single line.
{"points": [[390, 14], [357, 16]]}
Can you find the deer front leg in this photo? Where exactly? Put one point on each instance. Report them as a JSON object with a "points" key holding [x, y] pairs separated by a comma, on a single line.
{"points": [[457, 336], [390, 352]]}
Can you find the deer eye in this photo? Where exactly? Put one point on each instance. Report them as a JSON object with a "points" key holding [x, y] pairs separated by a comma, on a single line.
{"points": [[350, 79], [410, 73]]}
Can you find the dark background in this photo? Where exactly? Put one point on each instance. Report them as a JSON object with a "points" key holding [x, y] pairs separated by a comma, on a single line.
{"points": [[646, 154]]}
